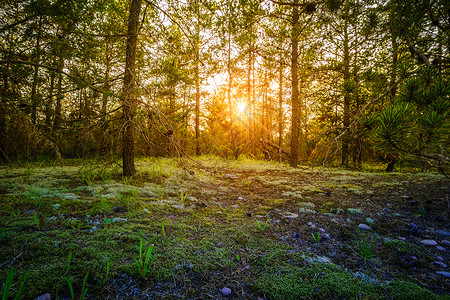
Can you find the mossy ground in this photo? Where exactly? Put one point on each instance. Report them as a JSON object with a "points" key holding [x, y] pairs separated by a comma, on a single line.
{"points": [[201, 221]]}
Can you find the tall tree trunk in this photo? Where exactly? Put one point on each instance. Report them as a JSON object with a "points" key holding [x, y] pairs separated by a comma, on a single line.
{"points": [[60, 95], [394, 67], [346, 113], [249, 96], [34, 97], [129, 101], [49, 102], [197, 84], [294, 78], [230, 81], [280, 97], [106, 86]]}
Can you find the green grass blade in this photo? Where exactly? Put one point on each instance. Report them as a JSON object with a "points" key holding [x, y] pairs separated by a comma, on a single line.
{"points": [[8, 282], [70, 287], [21, 287], [83, 287]]}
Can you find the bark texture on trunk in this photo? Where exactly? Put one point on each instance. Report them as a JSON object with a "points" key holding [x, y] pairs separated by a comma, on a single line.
{"points": [[129, 97], [294, 78]]}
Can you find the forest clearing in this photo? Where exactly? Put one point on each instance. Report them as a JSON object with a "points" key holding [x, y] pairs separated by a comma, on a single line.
{"points": [[261, 229], [224, 149]]}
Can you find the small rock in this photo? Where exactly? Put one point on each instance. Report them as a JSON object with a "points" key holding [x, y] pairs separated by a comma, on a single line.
{"points": [[240, 198], [445, 242], [364, 227], [145, 210], [354, 211], [370, 221], [226, 291], [443, 273], [429, 242], [442, 233], [439, 264], [348, 220], [440, 248], [402, 238], [322, 230], [180, 206], [289, 215], [310, 224], [307, 211], [439, 258], [44, 297], [326, 237]]}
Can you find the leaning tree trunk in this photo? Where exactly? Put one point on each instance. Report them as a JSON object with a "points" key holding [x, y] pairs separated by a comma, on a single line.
{"points": [[129, 100]]}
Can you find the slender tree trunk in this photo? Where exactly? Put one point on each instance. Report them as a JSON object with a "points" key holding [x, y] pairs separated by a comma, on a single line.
{"points": [[3, 110], [59, 96], [294, 78], [197, 107], [129, 101], [197, 85], [394, 67], [49, 104], [249, 95], [34, 97], [106, 86], [346, 113], [230, 81], [280, 98]]}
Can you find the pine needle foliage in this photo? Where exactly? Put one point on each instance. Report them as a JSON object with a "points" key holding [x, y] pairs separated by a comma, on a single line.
{"points": [[416, 124]]}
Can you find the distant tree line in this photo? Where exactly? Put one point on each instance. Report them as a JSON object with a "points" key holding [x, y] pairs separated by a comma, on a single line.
{"points": [[336, 82]]}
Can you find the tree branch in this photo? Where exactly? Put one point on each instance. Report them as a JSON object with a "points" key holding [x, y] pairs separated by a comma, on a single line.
{"points": [[74, 78], [289, 3]]}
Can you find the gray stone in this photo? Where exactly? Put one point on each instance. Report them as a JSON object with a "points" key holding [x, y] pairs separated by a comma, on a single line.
{"points": [[179, 206], [354, 211], [322, 230], [364, 227], [429, 242], [440, 248], [445, 242], [226, 291], [439, 264], [310, 224], [370, 221], [325, 237], [44, 297], [306, 211], [439, 258], [442, 233], [443, 273], [289, 215]]}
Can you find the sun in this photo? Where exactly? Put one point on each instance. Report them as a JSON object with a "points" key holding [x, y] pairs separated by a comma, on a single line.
{"points": [[241, 107]]}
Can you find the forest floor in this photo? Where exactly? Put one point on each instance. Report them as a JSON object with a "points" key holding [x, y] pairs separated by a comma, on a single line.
{"points": [[222, 229]]}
